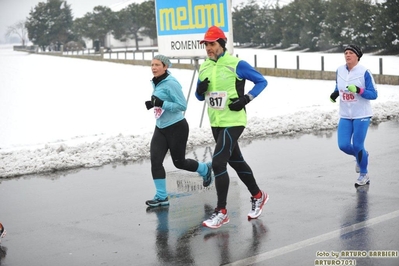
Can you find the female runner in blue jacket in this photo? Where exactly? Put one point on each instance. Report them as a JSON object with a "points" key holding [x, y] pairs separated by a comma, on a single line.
{"points": [[171, 130]]}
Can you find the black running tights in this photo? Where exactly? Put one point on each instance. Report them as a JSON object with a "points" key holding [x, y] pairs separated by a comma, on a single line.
{"points": [[226, 151], [172, 138]]}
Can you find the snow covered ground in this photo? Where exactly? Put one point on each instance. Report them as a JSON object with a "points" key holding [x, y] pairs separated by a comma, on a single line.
{"points": [[62, 113]]}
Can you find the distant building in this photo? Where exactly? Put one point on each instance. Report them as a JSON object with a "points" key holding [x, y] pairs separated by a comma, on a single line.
{"points": [[110, 42]]}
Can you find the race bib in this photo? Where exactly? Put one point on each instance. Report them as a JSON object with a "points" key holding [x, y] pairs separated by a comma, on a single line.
{"points": [[158, 111], [216, 99], [348, 97]]}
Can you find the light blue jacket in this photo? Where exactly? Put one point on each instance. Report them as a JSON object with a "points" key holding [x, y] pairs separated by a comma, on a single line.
{"points": [[170, 91]]}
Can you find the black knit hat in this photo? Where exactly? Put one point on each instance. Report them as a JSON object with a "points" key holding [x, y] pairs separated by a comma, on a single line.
{"points": [[356, 49]]}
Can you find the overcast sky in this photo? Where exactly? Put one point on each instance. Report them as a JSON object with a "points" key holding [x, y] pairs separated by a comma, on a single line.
{"points": [[12, 11]]}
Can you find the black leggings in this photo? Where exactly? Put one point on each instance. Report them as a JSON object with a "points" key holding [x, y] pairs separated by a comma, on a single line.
{"points": [[226, 151], [172, 138]]}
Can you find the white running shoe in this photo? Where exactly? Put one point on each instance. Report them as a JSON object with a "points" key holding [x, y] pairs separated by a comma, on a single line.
{"points": [[257, 206], [362, 180], [216, 220]]}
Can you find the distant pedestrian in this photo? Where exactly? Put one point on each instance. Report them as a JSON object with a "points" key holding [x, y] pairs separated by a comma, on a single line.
{"points": [[171, 130], [221, 84], [355, 87]]}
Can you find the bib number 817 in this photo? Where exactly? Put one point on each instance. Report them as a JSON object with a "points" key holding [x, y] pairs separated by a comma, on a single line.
{"points": [[215, 101]]}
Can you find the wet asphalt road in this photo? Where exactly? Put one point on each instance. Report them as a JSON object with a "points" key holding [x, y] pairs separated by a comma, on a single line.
{"points": [[98, 217]]}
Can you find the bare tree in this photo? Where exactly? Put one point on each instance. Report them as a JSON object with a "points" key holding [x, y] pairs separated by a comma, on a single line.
{"points": [[18, 29]]}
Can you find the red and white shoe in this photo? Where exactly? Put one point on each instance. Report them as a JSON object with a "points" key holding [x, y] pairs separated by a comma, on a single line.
{"points": [[217, 219], [257, 206]]}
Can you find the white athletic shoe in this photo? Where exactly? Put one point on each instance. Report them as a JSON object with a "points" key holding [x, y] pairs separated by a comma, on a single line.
{"points": [[216, 220], [257, 206], [362, 180]]}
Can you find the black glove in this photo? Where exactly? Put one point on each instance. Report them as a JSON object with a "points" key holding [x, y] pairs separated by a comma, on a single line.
{"points": [[149, 105], [334, 96], [202, 86], [239, 103], [156, 101]]}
